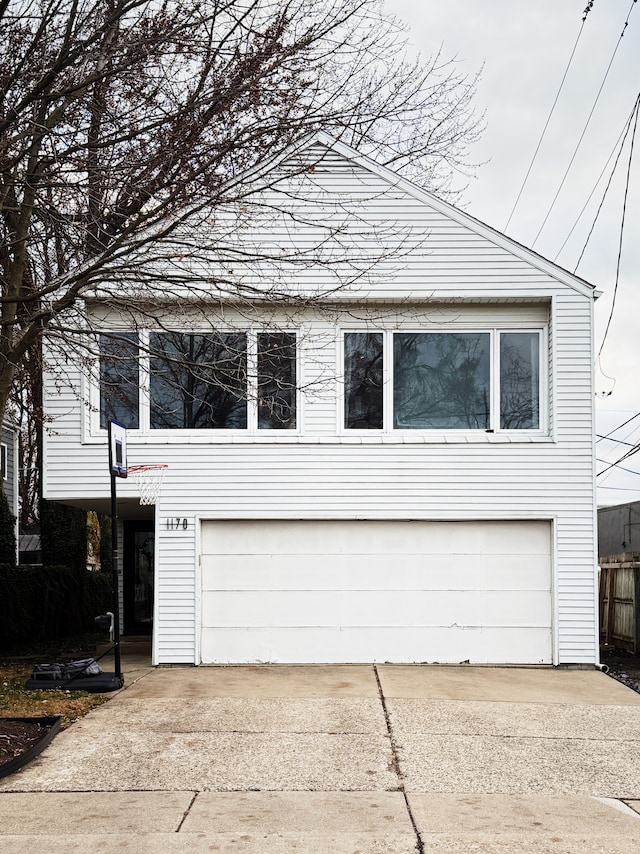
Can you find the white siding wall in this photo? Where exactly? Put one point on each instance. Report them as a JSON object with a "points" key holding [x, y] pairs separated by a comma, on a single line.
{"points": [[322, 473]]}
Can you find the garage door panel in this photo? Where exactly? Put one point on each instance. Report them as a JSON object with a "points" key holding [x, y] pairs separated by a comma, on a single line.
{"points": [[509, 608], [335, 591], [331, 608], [471, 608], [429, 645], [363, 572], [258, 537]]}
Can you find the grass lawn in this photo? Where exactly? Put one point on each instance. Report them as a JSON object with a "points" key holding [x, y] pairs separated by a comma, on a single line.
{"points": [[18, 702]]}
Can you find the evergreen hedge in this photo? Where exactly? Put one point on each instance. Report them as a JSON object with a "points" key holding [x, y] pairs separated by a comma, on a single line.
{"points": [[48, 603], [7, 531], [63, 535]]}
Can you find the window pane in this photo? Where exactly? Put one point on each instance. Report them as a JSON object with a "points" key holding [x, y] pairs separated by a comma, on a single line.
{"points": [[119, 379], [519, 381], [198, 381], [276, 381], [441, 380], [363, 377]]}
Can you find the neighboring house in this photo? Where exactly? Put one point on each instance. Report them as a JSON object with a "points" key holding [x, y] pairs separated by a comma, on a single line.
{"points": [[401, 470], [619, 529], [9, 469], [30, 549]]}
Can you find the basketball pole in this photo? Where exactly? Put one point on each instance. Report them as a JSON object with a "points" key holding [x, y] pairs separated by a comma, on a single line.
{"points": [[114, 461], [115, 579]]}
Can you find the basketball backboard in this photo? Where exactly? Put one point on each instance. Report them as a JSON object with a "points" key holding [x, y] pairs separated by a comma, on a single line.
{"points": [[118, 449]]}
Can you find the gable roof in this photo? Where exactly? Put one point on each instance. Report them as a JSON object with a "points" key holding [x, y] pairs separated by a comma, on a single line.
{"points": [[445, 208]]}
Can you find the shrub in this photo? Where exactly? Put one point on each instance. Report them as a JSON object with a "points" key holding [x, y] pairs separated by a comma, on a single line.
{"points": [[7, 532], [46, 603], [63, 533]]}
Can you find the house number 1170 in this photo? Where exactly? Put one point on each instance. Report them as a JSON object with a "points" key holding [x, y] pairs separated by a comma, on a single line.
{"points": [[176, 523]]}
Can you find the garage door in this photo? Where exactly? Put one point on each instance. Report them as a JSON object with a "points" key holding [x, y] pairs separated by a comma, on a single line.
{"points": [[360, 591]]}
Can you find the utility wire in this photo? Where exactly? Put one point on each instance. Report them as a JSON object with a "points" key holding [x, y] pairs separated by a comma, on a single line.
{"points": [[553, 106], [617, 441], [619, 427], [622, 468], [624, 211], [587, 123], [621, 459], [604, 195], [619, 488], [617, 147]]}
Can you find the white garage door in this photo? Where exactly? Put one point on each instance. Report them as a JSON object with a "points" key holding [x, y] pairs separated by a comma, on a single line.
{"points": [[360, 591]]}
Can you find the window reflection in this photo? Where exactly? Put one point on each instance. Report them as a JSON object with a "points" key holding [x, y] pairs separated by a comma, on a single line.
{"points": [[198, 381], [441, 380], [363, 380], [519, 381], [119, 379], [276, 381]]}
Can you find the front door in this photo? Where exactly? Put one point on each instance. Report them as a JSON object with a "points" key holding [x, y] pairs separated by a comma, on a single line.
{"points": [[137, 577]]}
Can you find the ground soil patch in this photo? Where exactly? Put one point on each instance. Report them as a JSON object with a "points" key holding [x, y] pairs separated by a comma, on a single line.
{"points": [[18, 702], [623, 666]]}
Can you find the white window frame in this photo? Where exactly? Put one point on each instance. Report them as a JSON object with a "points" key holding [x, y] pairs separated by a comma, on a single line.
{"points": [[144, 398], [494, 333], [4, 460]]}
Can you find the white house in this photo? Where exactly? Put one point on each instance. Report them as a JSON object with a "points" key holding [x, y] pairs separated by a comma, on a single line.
{"points": [[399, 469], [9, 470]]}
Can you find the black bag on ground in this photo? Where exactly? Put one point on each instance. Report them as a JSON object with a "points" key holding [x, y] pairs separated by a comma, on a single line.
{"points": [[84, 667], [66, 672], [48, 672]]}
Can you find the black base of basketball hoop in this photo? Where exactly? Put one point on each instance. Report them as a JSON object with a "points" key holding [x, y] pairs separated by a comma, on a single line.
{"points": [[148, 479]]}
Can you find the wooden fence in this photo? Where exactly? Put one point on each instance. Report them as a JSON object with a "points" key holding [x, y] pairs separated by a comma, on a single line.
{"points": [[620, 601]]}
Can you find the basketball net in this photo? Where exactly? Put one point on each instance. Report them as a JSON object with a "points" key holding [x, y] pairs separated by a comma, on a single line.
{"points": [[148, 479]]}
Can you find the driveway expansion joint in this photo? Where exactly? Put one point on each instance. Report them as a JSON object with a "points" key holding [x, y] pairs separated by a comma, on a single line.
{"points": [[396, 763], [187, 811]]}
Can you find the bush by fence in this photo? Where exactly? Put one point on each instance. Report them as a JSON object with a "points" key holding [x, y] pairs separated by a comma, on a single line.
{"points": [[7, 531], [63, 533], [47, 603]]}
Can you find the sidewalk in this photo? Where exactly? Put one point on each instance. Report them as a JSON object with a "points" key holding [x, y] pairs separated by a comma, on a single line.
{"points": [[338, 760]]}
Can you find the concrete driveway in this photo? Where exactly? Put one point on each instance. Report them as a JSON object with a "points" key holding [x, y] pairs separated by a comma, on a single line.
{"points": [[338, 760]]}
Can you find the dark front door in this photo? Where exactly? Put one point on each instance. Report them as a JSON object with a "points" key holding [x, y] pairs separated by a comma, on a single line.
{"points": [[137, 577]]}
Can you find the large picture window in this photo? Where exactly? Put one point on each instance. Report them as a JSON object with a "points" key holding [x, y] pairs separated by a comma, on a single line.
{"points": [[198, 381], [232, 380], [442, 380], [119, 379]]}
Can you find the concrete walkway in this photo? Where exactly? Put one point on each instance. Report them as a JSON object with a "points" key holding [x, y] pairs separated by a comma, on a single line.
{"points": [[338, 760]]}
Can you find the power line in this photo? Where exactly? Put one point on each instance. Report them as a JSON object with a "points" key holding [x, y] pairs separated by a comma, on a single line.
{"points": [[622, 468], [620, 488], [584, 130], [621, 459], [553, 106], [624, 211], [617, 441], [620, 426], [606, 190], [622, 136]]}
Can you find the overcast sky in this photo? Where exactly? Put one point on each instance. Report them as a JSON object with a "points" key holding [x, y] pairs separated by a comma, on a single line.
{"points": [[525, 48]]}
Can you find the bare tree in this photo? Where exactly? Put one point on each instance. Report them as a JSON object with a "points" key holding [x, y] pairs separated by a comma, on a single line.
{"points": [[26, 408], [122, 120]]}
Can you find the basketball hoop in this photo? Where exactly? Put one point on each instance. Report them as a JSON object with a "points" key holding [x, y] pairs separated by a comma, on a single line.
{"points": [[148, 479]]}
